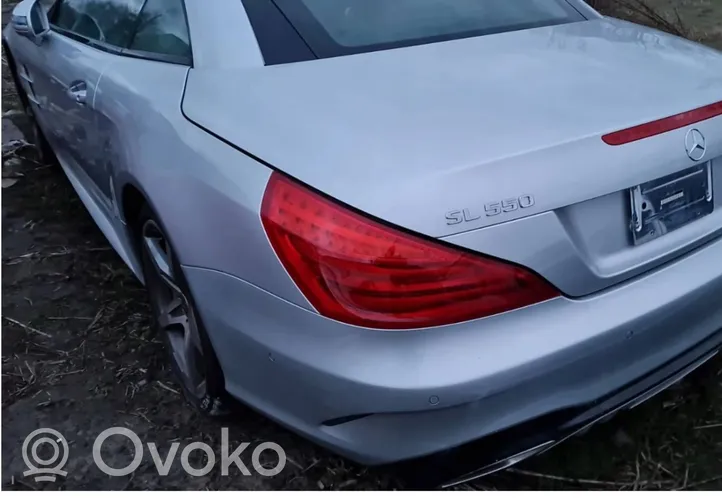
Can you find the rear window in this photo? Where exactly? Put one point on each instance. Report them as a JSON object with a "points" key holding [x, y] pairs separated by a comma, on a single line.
{"points": [[338, 27]]}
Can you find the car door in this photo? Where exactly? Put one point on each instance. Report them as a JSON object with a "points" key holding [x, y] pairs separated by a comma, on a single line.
{"points": [[85, 37]]}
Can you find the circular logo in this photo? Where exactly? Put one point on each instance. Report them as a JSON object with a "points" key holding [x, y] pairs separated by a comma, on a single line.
{"points": [[695, 144], [45, 469]]}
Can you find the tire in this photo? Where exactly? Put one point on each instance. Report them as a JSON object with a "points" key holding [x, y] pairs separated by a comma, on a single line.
{"points": [[177, 321]]}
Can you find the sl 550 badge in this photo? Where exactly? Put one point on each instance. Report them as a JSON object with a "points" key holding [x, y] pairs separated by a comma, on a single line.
{"points": [[491, 209]]}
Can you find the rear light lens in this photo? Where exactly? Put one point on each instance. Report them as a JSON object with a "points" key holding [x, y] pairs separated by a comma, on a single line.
{"points": [[358, 271]]}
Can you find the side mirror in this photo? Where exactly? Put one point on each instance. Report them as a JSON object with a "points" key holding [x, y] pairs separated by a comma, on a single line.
{"points": [[31, 21]]}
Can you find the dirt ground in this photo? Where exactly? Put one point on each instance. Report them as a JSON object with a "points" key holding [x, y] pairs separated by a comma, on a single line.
{"points": [[78, 356]]}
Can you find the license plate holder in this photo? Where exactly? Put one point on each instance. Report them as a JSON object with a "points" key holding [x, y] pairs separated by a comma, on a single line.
{"points": [[666, 204]]}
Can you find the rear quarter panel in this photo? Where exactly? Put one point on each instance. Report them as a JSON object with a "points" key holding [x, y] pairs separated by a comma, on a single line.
{"points": [[206, 193]]}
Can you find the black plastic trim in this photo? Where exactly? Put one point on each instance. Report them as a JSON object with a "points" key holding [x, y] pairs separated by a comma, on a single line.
{"points": [[344, 420], [278, 39]]}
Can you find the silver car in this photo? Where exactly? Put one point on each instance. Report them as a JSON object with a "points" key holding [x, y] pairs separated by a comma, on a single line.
{"points": [[410, 230]]}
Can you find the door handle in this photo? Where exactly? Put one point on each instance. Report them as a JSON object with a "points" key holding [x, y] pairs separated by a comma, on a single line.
{"points": [[78, 92]]}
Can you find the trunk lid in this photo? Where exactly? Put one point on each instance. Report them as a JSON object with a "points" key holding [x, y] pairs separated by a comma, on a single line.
{"points": [[413, 134]]}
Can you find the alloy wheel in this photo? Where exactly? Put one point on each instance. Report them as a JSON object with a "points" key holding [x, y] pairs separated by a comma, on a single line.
{"points": [[174, 313]]}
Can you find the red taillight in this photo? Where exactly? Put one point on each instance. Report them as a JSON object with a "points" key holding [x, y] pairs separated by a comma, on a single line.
{"points": [[361, 272], [658, 127]]}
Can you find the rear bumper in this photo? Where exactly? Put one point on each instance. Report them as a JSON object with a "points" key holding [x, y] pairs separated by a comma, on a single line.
{"points": [[387, 396], [511, 446]]}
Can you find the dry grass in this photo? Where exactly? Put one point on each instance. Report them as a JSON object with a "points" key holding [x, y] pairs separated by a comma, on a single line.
{"points": [[700, 20]]}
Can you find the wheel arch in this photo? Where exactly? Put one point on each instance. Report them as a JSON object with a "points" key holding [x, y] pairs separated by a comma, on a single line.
{"points": [[131, 202], [134, 206], [131, 198]]}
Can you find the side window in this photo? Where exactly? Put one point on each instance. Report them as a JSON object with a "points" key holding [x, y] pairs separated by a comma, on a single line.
{"points": [[163, 29], [107, 21]]}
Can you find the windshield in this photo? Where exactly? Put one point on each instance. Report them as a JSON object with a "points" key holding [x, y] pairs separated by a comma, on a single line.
{"points": [[337, 27]]}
